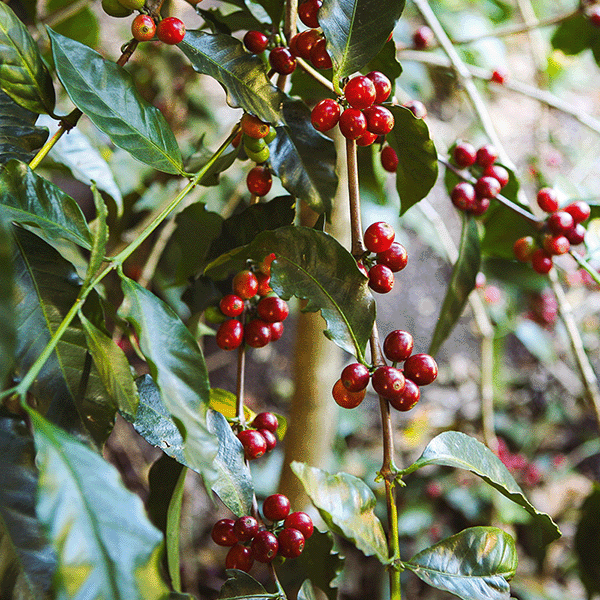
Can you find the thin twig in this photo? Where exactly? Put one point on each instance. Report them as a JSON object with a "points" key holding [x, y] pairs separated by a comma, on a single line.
{"points": [[358, 247], [315, 74]]}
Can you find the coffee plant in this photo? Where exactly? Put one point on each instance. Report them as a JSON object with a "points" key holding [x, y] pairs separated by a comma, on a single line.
{"points": [[130, 246]]}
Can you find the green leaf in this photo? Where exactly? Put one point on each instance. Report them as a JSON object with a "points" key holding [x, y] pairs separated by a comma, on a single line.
{"points": [[455, 449], [304, 159], [586, 542], [386, 63], [23, 74], [20, 138], [306, 591], [574, 35], [417, 157], [242, 75], [347, 505], [82, 25], [8, 332], [27, 561], [173, 531], [462, 283], [356, 31], [47, 286], [274, 8], [177, 365], [100, 236], [32, 200], [106, 93], [503, 227], [313, 265], [240, 586], [473, 564], [230, 22], [199, 159], [105, 544]]}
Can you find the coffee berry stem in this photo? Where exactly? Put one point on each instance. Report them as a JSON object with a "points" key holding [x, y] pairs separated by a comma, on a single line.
{"points": [[357, 244], [239, 391]]}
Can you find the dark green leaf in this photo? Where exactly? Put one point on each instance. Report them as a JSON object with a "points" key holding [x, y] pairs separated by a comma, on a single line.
{"points": [[100, 236], [243, 75], [47, 287], [462, 283], [240, 585], [473, 564], [7, 313], [587, 547], [19, 136], [177, 365], [173, 534], [32, 200], [304, 159], [23, 74], [274, 8], [211, 177], [177, 596], [81, 26], [455, 449], [347, 505], [503, 227], [162, 481], [27, 561], [386, 63], [417, 157], [356, 31], [574, 35], [105, 92], [313, 265], [105, 544], [229, 23]]}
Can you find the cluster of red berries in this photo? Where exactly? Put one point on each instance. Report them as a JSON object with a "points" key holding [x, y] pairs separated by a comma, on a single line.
{"points": [[260, 437], [400, 387], [254, 301], [491, 178], [561, 230], [249, 541], [169, 31]]}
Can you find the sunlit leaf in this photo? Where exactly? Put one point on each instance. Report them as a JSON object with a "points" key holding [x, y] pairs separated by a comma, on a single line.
{"points": [[225, 402], [586, 542]]}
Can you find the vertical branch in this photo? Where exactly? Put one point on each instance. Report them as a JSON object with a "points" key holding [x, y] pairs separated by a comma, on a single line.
{"points": [[357, 245], [239, 386]]}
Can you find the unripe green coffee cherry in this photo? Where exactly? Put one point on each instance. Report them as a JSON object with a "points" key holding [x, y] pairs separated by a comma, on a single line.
{"points": [[258, 157], [253, 145], [271, 135], [115, 9], [133, 4]]}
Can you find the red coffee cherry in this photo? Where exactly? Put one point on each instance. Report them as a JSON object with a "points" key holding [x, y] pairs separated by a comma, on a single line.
{"points": [[257, 333], [360, 92], [239, 557], [253, 127], [230, 335], [325, 115], [556, 244], [253, 442], [499, 76], [398, 345], [231, 305], [481, 205], [422, 37], [345, 398], [256, 41], [580, 211], [143, 28], [266, 420], [380, 120], [319, 56], [395, 257], [523, 248], [388, 382], [497, 172], [270, 438], [486, 155], [464, 154], [560, 222], [291, 542], [259, 180], [541, 261], [417, 108], [410, 396], [381, 279], [353, 123], [308, 12], [264, 284], [265, 265], [245, 284], [421, 368], [576, 235], [264, 546], [170, 30], [487, 187], [245, 528], [276, 507], [300, 521], [379, 237], [301, 44], [547, 200], [276, 331], [389, 159], [383, 86], [366, 139], [223, 534], [355, 377], [272, 309], [282, 61], [463, 196], [593, 14]]}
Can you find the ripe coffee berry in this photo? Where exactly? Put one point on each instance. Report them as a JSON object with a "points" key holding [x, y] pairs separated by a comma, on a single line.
{"points": [[223, 534], [319, 56], [170, 30], [276, 331], [556, 244], [300, 521], [422, 37], [381, 279], [389, 159], [266, 420], [291, 542], [239, 557], [143, 28], [464, 154], [353, 123], [576, 234], [245, 528], [259, 181], [269, 438], [256, 41], [421, 368], [487, 187], [308, 12], [410, 396], [395, 257], [580, 211], [257, 333], [398, 345], [486, 155], [264, 284], [417, 108], [380, 120], [345, 398], [360, 92], [253, 442], [230, 334], [253, 127], [231, 305], [302, 43], [463, 196], [523, 248], [481, 205], [497, 172], [276, 507], [541, 261], [366, 139], [547, 200], [593, 14], [264, 546], [499, 76], [560, 222], [388, 382], [282, 61], [272, 309], [379, 237], [355, 377], [383, 86], [245, 284], [325, 115]]}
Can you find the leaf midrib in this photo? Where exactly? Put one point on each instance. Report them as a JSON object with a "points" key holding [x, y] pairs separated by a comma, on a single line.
{"points": [[457, 575]]}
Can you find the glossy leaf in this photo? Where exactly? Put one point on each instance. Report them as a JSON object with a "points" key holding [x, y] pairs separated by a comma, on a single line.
{"points": [[473, 564], [313, 265], [306, 591], [386, 62], [462, 283], [7, 312], [106, 93], [241, 585], [105, 544], [242, 75], [47, 286], [455, 449], [347, 505], [100, 236], [23, 74], [356, 30], [304, 159], [27, 560], [32, 200], [417, 157], [20, 137], [503, 227], [177, 366], [586, 542]]}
